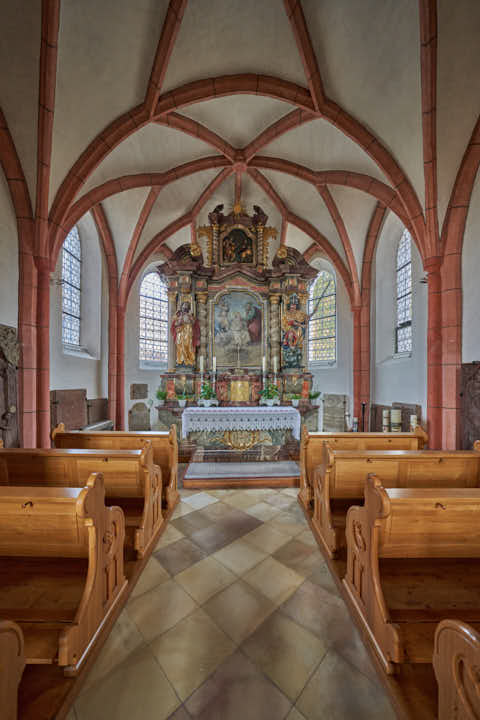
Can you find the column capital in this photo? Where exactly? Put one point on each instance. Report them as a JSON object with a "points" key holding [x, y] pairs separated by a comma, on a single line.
{"points": [[274, 299], [202, 297]]}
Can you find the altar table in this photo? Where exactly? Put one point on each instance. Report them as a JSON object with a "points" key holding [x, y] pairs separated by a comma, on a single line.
{"points": [[218, 419]]}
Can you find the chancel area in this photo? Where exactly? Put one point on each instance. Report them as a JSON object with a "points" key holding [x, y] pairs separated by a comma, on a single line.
{"points": [[239, 360]]}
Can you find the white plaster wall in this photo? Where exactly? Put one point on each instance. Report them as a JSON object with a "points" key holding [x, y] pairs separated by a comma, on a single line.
{"points": [[76, 370], [339, 378], [8, 258], [470, 284], [397, 379]]}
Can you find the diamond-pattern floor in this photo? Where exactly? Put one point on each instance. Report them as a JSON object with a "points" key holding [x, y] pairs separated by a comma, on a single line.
{"points": [[235, 616]]}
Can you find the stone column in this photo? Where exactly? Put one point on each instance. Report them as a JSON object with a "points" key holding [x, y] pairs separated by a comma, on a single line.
{"points": [[43, 353], [303, 296], [202, 298], [172, 307], [274, 330]]}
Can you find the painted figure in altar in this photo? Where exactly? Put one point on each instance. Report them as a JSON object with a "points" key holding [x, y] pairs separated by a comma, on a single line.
{"points": [[254, 322], [240, 333], [186, 335], [294, 323]]}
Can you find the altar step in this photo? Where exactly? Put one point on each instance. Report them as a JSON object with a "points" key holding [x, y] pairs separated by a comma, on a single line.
{"points": [[242, 474]]}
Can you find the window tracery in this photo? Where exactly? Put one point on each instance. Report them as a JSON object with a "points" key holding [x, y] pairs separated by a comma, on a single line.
{"points": [[403, 328], [322, 329], [71, 288], [153, 335]]}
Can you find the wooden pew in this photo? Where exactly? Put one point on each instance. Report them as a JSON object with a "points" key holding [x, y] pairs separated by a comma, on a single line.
{"points": [[12, 663], [456, 661], [339, 481], [164, 445], [311, 451], [413, 559], [61, 568], [132, 481]]}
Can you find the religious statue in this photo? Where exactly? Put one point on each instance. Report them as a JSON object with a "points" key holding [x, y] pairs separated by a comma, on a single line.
{"points": [[294, 323], [186, 335]]}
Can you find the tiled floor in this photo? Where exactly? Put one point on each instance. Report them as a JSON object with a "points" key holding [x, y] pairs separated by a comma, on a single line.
{"points": [[235, 617]]}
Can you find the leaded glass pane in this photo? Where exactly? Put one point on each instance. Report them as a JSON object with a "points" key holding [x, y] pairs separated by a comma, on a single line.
{"points": [[153, 334], [404, 294], [322, 332], [71, 287]]}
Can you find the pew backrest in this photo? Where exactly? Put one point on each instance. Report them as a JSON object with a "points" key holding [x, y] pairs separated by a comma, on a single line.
{"points": [[12, 664], [456, 661], [423, 522], [311, 446], [123, 470], [346, 471], [47, 521], [164, 444]]}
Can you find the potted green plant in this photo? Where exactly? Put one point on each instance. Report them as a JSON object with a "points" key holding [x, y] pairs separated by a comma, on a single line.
{"points": [[161, 396], [295, 400], [313, 396], [182, 399], [270, 395], [207, 396]]}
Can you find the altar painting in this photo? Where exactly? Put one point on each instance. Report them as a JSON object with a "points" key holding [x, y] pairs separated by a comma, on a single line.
{"points": [[238, 330], [237, 247]]}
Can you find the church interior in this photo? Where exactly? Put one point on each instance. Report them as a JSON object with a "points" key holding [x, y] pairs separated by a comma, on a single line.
{"points": [[239, 360]]}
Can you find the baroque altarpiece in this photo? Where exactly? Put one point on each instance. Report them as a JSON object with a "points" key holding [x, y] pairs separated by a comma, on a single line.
{"points": [[237, 314]]}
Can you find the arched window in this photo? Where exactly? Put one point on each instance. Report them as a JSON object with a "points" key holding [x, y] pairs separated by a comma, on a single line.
{"points": [[71, 288], [322, 329], [403, 328], [153, 336]]}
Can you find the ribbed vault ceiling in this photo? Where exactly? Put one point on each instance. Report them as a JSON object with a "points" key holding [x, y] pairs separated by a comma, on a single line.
{"points": [[314, 109]]}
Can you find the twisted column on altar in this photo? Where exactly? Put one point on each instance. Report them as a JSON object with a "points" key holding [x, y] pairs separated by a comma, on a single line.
{"points": [[274, 331], [202, 298], [172, 307]]}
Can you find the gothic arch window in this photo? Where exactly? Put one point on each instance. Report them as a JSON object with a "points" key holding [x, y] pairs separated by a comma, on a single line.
{"points": [[71, 288], [153, 336], [322, 328], [403, 326]]}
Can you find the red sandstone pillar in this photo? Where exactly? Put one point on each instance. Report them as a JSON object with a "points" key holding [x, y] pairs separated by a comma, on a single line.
{"points": [[120, 424], [112, 350], [43, 352], [357, 367], [434, 353], [27, 337], [451, 356]]}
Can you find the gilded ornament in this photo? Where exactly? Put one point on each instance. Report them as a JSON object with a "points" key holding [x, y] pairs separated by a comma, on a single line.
{"points": [[282, 252]]}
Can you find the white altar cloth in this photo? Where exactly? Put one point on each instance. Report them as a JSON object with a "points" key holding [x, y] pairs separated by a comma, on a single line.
{"points": [[216, 419]]}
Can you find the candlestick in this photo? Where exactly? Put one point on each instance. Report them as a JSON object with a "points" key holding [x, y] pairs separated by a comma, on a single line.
{"points": [[275, 364], [214, 364], [201, 364], [264, 365]]}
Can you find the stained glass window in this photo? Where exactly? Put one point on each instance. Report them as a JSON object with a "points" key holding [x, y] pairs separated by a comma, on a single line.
{"points": [[322, 329], [71, 287], [153, 319], [403, 330]]}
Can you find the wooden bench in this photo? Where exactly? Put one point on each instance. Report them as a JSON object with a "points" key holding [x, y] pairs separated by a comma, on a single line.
{"points": [[12, 664], [456, 661], [164, 445], [311, 451], [413, 559], [132, 481], [339, 481], [61, 568]]}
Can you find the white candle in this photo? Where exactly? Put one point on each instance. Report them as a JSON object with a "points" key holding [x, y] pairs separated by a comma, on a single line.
{"points": [[201, 363], [275, 364], [214, 363], [264, 364]]}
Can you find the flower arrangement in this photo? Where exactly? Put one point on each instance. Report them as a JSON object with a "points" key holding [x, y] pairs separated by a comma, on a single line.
{"points": [[207, 395], [270, 392], [161, 396]]}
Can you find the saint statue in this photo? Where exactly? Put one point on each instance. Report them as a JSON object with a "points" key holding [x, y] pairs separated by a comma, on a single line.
{"points": [[186, 335], [294, 323]]}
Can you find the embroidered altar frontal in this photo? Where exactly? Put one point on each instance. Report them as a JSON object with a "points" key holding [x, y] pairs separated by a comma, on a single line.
{"points": [[196, 419]]}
